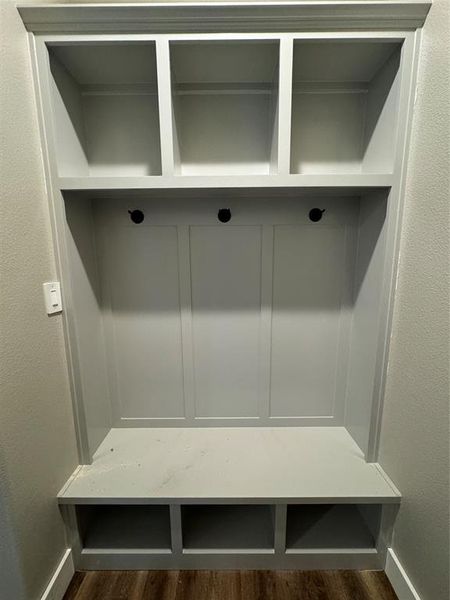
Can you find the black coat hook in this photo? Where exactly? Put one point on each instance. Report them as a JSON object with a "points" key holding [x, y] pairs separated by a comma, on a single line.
{"points": [[224, 215], [315, 214], [137, 216]]}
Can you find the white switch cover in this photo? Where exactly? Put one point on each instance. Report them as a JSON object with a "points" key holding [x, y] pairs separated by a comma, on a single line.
{"points": [[52, 295]]}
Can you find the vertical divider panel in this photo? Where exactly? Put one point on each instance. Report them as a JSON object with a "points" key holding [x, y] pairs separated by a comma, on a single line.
{"points": [[184, 270], [280, 528], [285, 105], [266, 321], [165, 106], [176, 529], [408, 66], [41, 77]]}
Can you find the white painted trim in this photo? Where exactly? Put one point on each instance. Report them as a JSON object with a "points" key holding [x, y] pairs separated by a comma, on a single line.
{"points": [[163, 17], [59, 583], [399, 579]]}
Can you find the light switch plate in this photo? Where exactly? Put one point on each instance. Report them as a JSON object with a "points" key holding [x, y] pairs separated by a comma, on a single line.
{"points": [[52, 295]]}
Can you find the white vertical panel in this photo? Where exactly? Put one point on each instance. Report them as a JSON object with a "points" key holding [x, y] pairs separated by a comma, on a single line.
{"points": [[308, 279], [226, 304], [366, 315], [87, 313], [68, 122], [327, 132], [122, 132], [226, 134], [285, 106], [144, 287], [165, 106], [381, 118]]}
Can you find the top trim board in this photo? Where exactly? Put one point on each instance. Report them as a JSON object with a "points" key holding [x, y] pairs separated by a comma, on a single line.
{"points": [[180, 17]]}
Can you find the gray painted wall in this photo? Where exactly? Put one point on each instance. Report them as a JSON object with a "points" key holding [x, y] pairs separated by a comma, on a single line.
{"points": [[414, 444], [37, 442]]}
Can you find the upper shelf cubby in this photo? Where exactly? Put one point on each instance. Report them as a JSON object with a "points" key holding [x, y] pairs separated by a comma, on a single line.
{"points": [[344, 105], [225, 97], [105, 109]]}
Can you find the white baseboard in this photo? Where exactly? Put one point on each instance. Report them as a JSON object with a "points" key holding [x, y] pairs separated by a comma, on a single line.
{"points": [[399, 579], [61, 578]]}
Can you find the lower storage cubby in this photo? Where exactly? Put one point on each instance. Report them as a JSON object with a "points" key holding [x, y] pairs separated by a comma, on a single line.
{"points": [[107, 527], [228, 529], [331, 527]]}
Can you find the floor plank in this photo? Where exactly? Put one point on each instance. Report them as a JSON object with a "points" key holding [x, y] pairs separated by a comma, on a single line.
{"points": [[230, 585]]}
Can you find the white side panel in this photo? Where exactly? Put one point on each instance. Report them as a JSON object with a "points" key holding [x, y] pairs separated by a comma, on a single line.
{"points": [[309, 279], [224, 134], [366, 316], [87, 313], [327, 132], [142, 274], [123, 134], [381, 118], [68, 122], [226, 306]]}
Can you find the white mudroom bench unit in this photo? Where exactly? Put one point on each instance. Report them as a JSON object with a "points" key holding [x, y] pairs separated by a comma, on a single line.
{"points": [[226, 184]]}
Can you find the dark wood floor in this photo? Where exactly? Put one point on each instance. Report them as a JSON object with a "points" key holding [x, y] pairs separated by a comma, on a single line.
{"points": [[230, 585]]}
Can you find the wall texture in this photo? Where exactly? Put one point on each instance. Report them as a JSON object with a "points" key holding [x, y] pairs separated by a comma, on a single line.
{"points": [[37, 442], [415, 444]]}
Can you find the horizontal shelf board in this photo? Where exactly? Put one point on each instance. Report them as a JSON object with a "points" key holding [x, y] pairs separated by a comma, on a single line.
{"points": [[224, 16], [360, 181], [228, 465]]}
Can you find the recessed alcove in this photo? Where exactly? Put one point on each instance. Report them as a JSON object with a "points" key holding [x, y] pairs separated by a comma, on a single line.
{"points": [[332, 527], [105, 109], [228, 528], [225, 105], [344, 106], [268, 319], [124, 527]]}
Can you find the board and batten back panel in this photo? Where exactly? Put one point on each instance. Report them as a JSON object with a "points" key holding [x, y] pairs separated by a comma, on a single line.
{"points": [[141, 287], [310, 283], [226, 314], [241, 323]]}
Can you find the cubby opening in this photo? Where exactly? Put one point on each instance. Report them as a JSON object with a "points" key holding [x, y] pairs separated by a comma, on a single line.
{"points": [[228, 528], [225, 102], [124, 527], [332, 527], [344, 106], [105, 109]]}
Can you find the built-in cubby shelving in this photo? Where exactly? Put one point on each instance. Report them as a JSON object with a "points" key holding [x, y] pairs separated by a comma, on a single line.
{"points": [[223, 111], [312, 527], [225, 103], [124, 527], [105, 108], [228, 528], [226, 184], [344, 105]]}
